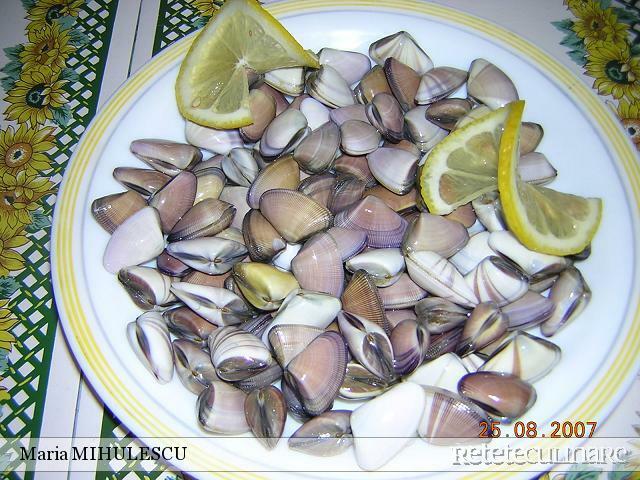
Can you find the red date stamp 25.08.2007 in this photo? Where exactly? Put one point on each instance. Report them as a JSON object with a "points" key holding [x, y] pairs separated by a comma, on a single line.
{"points": [[522, 429]]}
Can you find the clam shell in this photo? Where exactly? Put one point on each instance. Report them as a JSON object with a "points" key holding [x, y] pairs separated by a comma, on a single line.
{"points": [[524, 355], [488, 210], [236, 354], [149, 338], [136, 240], [486, 324], [385, 113], [185, 323], [293, 214], [283, 133], [281, 102], [369, 345], [384, 227], [220, 409], [436, 234], [398, 203], [476, 112], [361, 297], [570, 295], [358, 138], [396, 316], [349, 242], [284, 257], [264, 286], [439, 277], [329, 87], [350, 65], [409, 340], [318, 187], [446, 112], [535, 168], [266, 413], [443, 343], [237, 198], [217, 305], [402, 47], [351, 112], [499, 394], [444, 373], [204, 219], [210, 255], [449, 419], [193, 365], [166, 156], [262, 379], [424, 133], [317, 114], [174, 199], [318, 266], [394, 168], [476, 250], [529, 310], [198, 278], [440, 315], [263, 110], [403, 81], [384, 265], [303, 307], [397, 414], [497, 280], [216, 141], [141, 180], [355, 166], [534, 264], [489, 85], [240, 166], [326, 435], [261, 239], [288, 340], [146, 286], [318, 371], [316, 152], [438, 83], [359, 383], [209, 183], [283, 173], [372, 83], [345, 192], [288, 80], [530, 136], [402, 294], [111, 210]]}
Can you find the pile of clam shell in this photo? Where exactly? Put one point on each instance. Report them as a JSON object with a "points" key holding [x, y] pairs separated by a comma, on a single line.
{"points": [[297, 265]]}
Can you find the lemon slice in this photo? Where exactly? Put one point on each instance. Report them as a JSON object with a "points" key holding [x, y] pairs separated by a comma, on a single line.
{"points": [[212, 87], [464, 165], [542, 219]]}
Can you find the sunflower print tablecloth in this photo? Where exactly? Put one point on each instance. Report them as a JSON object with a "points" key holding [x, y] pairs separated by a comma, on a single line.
{"points": [[51, 81]]}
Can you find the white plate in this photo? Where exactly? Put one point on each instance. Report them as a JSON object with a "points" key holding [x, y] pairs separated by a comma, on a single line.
{"points": [[582, 139]]}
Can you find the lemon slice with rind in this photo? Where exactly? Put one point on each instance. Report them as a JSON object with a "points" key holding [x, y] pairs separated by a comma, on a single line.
{"points": [[212, 86], [464, 165], [542, 219]]}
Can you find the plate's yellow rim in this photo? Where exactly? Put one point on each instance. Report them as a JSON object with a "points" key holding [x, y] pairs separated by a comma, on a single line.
{"points": [[68, 299]]}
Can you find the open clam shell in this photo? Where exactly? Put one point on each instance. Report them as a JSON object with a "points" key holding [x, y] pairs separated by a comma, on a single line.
{"points": [[283, 134], [372, 83]]}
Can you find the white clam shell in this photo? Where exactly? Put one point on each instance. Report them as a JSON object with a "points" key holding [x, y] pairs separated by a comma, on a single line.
{"points": [[476, 250], [384, 425], [304, 307], [424, 133], [315, 112], [149, 339], [384, 264], [240, 166], [439, 277], [216, 141], [394, 168], [136, 240], [283, 258], [488, 210], [443, 372], [329, 87], [530, 262], [490, 85], [289, 80], [283, 133], [495, 280], [534, 167], [351, 65], [220, 409]]}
